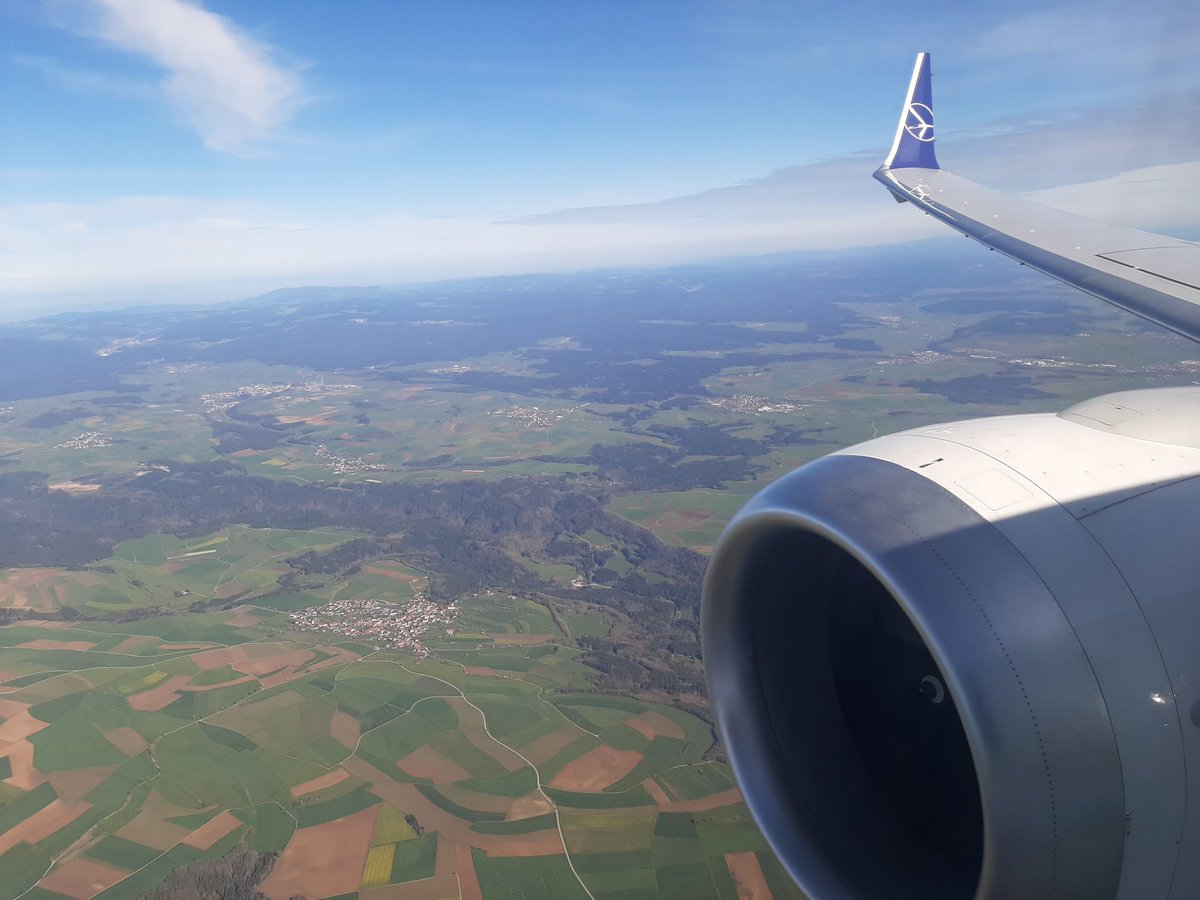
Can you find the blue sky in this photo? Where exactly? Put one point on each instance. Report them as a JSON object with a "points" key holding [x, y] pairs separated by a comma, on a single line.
{"points": [[172, 150]]}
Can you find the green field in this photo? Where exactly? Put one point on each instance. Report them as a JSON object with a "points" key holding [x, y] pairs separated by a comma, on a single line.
{"points": [[528, 878], [221, 741], [683, 518], [163, 570]]}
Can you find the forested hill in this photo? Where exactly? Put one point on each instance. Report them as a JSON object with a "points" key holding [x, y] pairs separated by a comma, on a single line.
{"points": [[467, 535]]}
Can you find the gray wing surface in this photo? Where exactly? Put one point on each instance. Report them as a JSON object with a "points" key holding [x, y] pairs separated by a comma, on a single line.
{"points": [[1151, 275]]}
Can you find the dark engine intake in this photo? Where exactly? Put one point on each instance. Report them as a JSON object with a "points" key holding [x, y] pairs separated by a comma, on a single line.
{"points": [[963, 661]]}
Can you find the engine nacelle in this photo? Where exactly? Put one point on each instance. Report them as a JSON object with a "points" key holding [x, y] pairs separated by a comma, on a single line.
{"points": [[964, 661]]}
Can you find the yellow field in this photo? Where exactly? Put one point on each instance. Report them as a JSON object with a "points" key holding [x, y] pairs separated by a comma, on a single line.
{"points": [[219, 538], [379, 866], [390, 827], [149, 681]]}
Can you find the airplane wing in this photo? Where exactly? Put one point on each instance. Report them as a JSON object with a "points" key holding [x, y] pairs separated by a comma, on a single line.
{"points": [[959, 661], [1150, 275]]}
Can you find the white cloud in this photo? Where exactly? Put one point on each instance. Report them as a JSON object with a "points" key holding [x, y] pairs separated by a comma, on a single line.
{"points": [[220, 82], [56, 248], [1152, 197]]}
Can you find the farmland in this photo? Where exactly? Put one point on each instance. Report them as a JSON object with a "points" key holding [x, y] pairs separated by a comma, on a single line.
{"points": [[140, 750], [222, 530]]}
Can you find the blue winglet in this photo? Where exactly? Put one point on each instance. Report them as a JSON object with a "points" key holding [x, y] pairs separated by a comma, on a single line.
{"points": [[913, 145]]}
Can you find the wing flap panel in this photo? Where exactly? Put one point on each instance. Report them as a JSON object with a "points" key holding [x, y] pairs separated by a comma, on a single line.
{"points": [[1178, 264], [1150, 275]]}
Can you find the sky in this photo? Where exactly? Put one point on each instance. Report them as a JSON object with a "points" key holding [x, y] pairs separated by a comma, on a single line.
{"points": [[202, 150]]}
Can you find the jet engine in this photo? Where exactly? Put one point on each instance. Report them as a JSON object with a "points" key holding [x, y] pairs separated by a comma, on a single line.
{"points": [[963, 661]]}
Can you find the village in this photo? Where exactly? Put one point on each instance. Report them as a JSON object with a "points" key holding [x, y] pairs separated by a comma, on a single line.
{"points": [[751, 404], [396, 626], [533, 416], [345, 465], [89, 440], [222, 400]]}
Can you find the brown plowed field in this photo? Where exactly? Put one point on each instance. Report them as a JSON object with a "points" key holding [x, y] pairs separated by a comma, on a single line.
{"points": [[747, 876], [42, 824], [464, 867], [329, 779], [345, 729], [654, 724], [704, 804], [150, 826], [75, 784], [213, 830], [20, 757], [199, 688], [48, 644], [596, 769], [324, 860], [529, 806], [548, 745], [654, 789], [426, 762], [264, 665], [131, 643], [82, 878], [538, 843], [222, 656], [159, 696], [18, 723], [126, 740]]}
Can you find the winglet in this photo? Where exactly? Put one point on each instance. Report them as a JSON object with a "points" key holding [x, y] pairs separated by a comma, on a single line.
{"points": [[913, 145]]}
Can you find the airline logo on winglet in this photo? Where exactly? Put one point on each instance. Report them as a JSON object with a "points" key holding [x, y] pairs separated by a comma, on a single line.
{"points": [[919, 121], [913, 145]]}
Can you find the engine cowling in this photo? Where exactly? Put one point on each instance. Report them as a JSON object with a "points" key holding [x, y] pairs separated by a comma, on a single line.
{"points": [[964, 661]]}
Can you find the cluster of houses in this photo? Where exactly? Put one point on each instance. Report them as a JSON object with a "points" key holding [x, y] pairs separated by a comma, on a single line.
{"points": [[396, 626]]}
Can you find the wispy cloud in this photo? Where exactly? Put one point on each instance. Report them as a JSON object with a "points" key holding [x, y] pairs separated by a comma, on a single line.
{"points": [[1152, 43], [219, 81], [86, 81]]}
